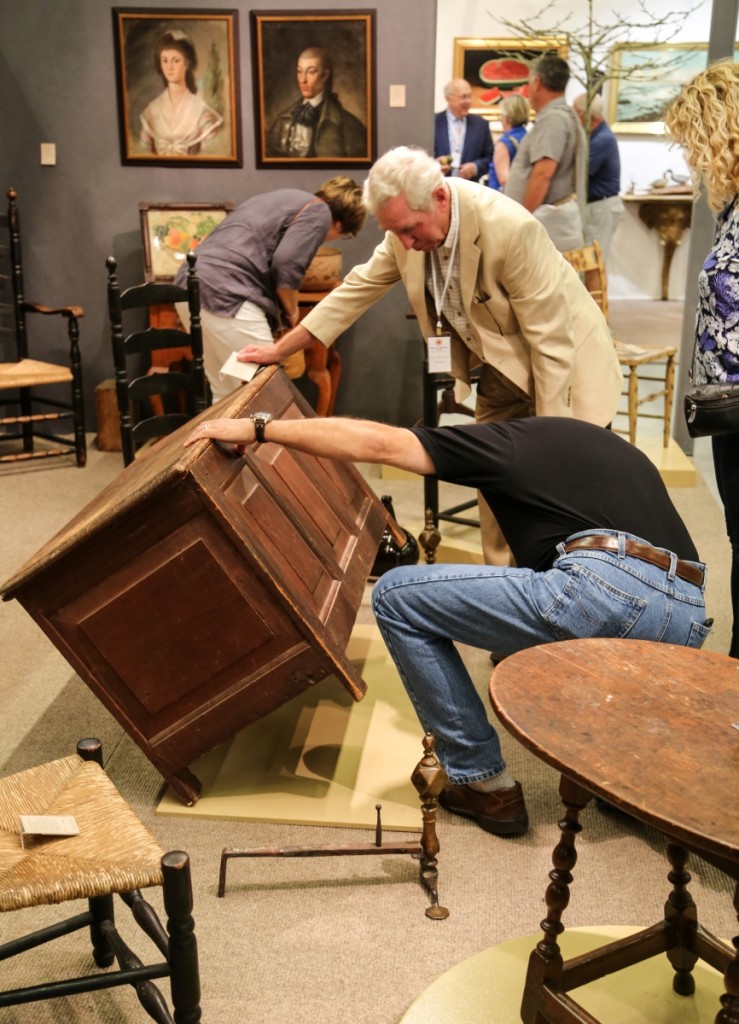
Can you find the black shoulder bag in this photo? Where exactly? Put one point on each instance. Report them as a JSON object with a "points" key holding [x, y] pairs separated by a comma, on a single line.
{"points": [[711, 409]]}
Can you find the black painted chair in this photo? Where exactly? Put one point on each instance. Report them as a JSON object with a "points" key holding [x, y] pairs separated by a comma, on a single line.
{"points": [[26, 415], [153, 402], [113, 853]]}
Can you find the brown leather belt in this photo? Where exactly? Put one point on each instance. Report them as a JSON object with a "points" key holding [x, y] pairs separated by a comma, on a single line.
{"points": [[594, 542]]}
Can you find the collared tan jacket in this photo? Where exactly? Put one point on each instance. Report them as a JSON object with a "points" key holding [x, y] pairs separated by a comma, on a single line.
{"points": [[533, 318]]}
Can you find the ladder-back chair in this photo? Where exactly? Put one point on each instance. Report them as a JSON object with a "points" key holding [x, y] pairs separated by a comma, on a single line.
{"points": [[25, 415], [183, 388], [102, 850]]}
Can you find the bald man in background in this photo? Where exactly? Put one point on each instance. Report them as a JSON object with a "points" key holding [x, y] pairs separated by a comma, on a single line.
{"points": [[462, 136]]}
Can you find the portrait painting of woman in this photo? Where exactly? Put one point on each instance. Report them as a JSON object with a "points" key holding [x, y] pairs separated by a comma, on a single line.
{"points": [[178, 95], [178, 121]]}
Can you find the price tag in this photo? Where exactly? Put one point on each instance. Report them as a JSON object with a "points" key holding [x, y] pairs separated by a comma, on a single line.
{"points": [[47, 825], [440, 353]]}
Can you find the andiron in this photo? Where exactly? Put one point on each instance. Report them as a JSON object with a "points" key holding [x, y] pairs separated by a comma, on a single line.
{"points": [[429, 778]]}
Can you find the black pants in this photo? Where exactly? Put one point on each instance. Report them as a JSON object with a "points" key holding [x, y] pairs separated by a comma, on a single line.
{"points": [[726, 464]]}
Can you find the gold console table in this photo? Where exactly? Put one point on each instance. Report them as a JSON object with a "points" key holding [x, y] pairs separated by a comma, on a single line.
{"points": [[669, 212]]}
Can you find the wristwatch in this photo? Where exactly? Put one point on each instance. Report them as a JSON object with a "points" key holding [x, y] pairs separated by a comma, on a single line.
{"points": [[260, 421]]}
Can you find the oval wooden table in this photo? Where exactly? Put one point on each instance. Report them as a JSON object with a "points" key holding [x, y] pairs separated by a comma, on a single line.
{"points": [[653, 729]]}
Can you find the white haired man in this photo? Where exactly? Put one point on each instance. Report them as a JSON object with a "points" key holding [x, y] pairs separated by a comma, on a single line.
{"points": [[479, 268], [605, 208], [463, 144]]}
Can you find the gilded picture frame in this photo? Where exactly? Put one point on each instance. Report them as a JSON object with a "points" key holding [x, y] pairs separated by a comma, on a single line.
{"points": [[338, 49], [170, 230], [637, 104], [496, 67], [177, 78]]}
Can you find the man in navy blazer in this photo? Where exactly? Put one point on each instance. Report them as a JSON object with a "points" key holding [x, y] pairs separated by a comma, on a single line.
{"points": [[463, 144]]}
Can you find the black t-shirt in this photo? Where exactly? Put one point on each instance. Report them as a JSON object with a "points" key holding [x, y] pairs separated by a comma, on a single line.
{"points": [[547, 477]]}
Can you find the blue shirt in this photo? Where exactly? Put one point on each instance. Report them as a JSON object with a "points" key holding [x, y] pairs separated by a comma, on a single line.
{"points": [[604, 164], [456, 151], [510, 139]]}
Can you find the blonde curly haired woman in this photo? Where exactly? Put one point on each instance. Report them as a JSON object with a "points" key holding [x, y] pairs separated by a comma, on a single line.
{"points": [[704, 120]]}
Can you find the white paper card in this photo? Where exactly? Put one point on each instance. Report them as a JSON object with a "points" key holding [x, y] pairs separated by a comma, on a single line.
{"points": [[440, 353], [48, 825], [233, 368]]}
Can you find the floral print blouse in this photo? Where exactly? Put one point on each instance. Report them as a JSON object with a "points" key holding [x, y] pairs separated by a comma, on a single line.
{"points": [[717, 321]]}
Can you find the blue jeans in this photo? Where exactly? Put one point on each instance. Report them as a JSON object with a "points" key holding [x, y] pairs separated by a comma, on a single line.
{"points": [[422, 610]]}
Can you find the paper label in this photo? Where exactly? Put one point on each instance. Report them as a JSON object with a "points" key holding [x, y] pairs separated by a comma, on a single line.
{"points": [[233, 368], [48, 825], [440, 353]]}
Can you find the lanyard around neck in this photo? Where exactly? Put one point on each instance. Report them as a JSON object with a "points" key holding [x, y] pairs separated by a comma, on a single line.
{"points": [[439, 299]]}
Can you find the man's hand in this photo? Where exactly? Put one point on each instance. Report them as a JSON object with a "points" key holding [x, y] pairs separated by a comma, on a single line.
{"points": [[293, 341], [468, 171], [262, 354], [240, 433]]}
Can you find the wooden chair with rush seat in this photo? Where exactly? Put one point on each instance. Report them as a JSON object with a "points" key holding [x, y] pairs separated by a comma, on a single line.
{"points": [[27, 415], [173, 395], [111, 853], [588, 261]]}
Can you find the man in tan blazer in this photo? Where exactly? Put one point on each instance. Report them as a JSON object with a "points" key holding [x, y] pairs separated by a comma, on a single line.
{"points": [[483, 268]]}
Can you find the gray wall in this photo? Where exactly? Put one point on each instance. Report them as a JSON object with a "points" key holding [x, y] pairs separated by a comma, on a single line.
{"points": [[57, 83]]}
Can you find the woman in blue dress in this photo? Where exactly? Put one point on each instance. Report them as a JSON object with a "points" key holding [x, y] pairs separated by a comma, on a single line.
{"points": [[514, 116], [704, 120]]}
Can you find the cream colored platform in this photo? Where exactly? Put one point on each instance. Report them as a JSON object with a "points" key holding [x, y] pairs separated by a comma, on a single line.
{"points": [[675, 467], [487, 988], [321, 759]]}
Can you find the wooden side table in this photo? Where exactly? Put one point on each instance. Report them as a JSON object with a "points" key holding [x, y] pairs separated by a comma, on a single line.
{"points": [[669, 214], [322, 365], [652, 729]]}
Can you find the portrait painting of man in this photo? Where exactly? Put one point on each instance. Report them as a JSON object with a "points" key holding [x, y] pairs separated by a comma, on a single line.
{"points": [[314, 88]]}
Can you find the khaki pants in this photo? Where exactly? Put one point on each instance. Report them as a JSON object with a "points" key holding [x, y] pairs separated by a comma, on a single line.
{"points": [[497, 399], [223, 335]]}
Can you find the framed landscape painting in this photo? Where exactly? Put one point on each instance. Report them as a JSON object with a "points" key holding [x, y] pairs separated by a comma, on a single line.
{"points": [[497, 67], [646, 79], [314, 88], [178, 86]]}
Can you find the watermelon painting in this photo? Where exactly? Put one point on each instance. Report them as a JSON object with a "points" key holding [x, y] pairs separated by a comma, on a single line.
{"points": [[495, 68], [507, 73]]}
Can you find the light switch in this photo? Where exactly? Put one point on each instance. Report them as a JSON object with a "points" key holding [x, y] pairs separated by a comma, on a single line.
{"points": [[48, 154], [397, 95]]}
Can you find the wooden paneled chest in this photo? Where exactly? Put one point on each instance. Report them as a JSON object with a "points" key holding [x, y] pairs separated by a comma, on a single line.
{"points": [[200, 590]]}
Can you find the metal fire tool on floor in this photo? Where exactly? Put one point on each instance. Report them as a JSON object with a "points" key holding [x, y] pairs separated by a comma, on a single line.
{"points": [[429, 778]]}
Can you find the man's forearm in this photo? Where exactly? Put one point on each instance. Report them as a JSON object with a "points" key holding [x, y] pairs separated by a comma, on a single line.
{"points": [[295, 340], [538, 183], [342, 439]]}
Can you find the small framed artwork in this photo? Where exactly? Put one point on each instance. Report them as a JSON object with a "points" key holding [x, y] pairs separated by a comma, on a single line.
{"points": [[646, 79], [177, 79], [314, 88], [170, 230], [497, 67]]}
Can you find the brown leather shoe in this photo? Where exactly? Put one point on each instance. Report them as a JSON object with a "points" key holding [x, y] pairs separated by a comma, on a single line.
{"points": [[502, 812]]}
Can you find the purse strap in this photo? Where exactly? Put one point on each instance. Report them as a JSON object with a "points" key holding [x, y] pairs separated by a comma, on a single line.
{"points": [[304, 207]]}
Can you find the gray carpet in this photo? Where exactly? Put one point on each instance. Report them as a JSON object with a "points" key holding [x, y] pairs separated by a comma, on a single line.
{"points": [[335, 940]]}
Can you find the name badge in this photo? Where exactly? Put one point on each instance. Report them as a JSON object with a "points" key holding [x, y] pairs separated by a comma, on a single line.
{"points": [[440, 353]]}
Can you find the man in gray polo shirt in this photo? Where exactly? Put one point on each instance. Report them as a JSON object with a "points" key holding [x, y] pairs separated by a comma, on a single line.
{"points": [[548, 174]]}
